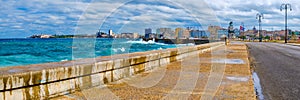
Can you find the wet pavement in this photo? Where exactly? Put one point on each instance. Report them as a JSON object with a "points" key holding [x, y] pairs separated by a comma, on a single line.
{"points": [[223, 73], [278, 68]]}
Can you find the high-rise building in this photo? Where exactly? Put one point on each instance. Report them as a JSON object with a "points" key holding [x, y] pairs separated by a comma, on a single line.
{"points": [[213, 30], [148, 31], [164, 32], [182, 33], [110, 32], [186, 34], [197, 33], [178, 33]]}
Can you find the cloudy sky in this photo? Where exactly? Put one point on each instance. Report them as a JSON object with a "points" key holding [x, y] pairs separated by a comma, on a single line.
{"points": [[22, 18]]}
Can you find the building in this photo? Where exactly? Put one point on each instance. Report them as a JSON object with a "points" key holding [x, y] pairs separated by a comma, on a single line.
{"points": [[182, 33], [178, 32], [102, 35], [164, 33], [250, 33], [197, 33], [41, 36], [118, 36], [213, 30], [152, 35], [136, 35], [186, 34], [127, 35], [110, 33], [274, 35], [222, 33], [148, 32]]}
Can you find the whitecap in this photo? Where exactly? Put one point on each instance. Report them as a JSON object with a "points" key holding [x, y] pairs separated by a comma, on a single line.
{"points": [[145, 42], [64, 60], [122, 49], [115, 49]]}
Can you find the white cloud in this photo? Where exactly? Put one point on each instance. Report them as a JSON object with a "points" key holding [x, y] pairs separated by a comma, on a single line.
{"points": [[245, 11], [126, 15]]}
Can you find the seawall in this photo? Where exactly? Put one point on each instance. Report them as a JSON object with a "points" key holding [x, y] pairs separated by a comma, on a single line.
{"points": [[43, 81]]}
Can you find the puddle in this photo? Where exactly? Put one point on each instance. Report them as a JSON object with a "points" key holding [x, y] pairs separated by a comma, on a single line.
{"points": [[222, 52], [240, 79], [237, 43], [228, 61], [257, 86], [15, 70]]}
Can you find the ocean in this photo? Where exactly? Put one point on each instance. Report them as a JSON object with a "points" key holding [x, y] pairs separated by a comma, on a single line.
{"points": [[19, 52]]}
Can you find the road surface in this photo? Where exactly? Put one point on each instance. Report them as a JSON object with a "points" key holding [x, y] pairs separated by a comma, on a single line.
{"points": [[278, 67]]}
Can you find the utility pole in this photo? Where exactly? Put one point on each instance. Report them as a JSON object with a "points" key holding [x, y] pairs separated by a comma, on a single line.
{"points": [[285, 7], [259, 16]]}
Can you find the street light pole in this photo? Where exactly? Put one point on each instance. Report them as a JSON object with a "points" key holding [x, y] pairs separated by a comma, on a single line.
{"points": [[259, 16], [285, 7]]}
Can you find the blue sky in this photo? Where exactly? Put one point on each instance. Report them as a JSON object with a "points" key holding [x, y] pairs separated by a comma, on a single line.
{"points": [[22, 18]]}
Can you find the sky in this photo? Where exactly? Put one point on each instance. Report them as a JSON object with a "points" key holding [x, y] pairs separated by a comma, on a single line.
{"points": [[22, 18]]}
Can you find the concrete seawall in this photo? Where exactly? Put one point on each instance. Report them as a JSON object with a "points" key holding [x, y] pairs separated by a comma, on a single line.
{"points": [[42, 81]]}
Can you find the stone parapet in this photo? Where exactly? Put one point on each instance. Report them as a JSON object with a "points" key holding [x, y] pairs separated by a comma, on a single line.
{"points": [[43, 81]]}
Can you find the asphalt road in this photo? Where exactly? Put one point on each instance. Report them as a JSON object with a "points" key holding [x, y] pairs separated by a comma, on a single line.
{"points": [[278, 67]]}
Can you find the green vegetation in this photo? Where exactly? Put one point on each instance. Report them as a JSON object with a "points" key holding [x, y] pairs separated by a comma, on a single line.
{"points": [[267, 37], [294, 36], [63, 36], [242, 37]]}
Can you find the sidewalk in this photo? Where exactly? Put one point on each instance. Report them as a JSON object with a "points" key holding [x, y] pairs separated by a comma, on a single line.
{"points": [[293, 44], [223, 73]]}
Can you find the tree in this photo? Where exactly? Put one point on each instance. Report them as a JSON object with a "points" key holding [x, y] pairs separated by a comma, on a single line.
{"points": [[267, 37], [243, 37], [294, 37]]}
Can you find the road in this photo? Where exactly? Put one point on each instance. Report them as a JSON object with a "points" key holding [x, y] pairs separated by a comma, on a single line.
{"points": [[278, 67]]}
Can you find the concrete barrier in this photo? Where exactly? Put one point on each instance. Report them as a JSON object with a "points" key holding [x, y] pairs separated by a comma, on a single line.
{"points": [[43, 81]]}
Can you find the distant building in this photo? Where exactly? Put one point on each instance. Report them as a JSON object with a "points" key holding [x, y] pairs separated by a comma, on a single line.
{"points": [[197, 33], [186, 34], [136, 35], [41, 36], [148, 32], [127, 35], [178, 32], [222, 32], [164, 33], [102, 35], [250, 33], [110, 33], [264, 33], [118, 36], [46, 36], [182, 33], [152, 35], [274, 35], [130, 35], [213, 30]]}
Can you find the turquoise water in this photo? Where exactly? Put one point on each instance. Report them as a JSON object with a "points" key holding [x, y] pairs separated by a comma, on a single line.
{"points": [[15, 52]]}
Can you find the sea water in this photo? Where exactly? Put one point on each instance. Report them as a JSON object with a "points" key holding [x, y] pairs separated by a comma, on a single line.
{"points": [[17, 52]]}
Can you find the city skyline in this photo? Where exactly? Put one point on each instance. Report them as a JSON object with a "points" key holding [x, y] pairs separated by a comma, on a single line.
{"points": [[24, 18]]}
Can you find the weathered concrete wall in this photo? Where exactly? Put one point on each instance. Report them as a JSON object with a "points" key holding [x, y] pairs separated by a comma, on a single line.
{"points": [[44, 81]]}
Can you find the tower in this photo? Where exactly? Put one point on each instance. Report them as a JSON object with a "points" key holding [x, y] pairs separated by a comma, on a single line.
{"points": [[110, 32], [148, 31]]}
